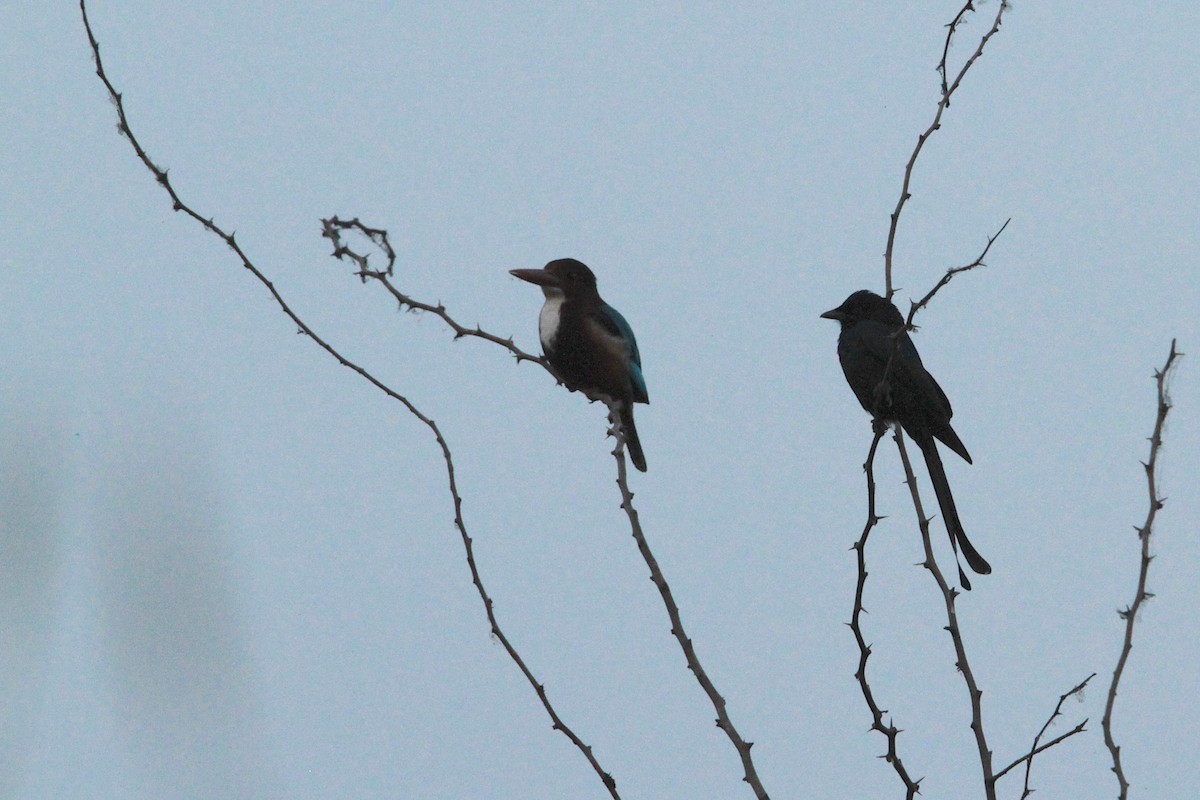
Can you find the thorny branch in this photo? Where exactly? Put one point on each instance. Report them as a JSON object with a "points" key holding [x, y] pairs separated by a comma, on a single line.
{"points": [[949, 276], [178, 204], [677, 630], [943, 104], [878, 723], [332, 229], [1130, 613], [949, 595]]}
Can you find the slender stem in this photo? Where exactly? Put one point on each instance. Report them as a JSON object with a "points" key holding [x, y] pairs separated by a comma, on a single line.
{"points": [[878, 723], [950, 273], [1130, 613], [724, 722], [949, 595], [948, 90], [1037, 746]]}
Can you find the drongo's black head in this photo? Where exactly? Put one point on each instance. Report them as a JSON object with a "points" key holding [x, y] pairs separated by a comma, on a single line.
{"points": [[865, 305], [566, 275]]}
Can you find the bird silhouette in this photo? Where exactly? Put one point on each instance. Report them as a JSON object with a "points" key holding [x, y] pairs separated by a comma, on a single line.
{"points": [[886, 374]]}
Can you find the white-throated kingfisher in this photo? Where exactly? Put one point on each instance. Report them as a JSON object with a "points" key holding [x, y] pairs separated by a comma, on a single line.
{"points": [[589, 344]]}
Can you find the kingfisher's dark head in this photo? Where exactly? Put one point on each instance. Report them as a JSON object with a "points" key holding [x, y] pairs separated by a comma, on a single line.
{"points": [[564, 275]]}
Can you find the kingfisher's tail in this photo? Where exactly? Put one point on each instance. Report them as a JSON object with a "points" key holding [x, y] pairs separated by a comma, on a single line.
{"points": [[632, 443]]}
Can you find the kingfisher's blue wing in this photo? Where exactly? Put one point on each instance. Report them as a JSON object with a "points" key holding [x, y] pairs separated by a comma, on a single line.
{"points": [[615, 324]]}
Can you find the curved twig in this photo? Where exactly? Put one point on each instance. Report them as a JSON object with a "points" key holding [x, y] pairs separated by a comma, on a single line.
{"points": [[178, 204], [332, 228], [1130, 613]]}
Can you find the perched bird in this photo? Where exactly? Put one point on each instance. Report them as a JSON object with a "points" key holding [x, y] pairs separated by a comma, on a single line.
{"points": [[886, 374], [589, 343]]}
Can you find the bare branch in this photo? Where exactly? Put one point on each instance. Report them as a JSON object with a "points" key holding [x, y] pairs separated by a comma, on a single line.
{"points": [[332, 229], [1038, 747], [950, 273], [1080, 728], [179, 205], [878, 723], [943, 104], [1130, 613], [689, 651], [949, 595], [951, 29]]}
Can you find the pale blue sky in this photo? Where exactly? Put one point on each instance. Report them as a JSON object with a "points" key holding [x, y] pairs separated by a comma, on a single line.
{"points": [[229, 568]]}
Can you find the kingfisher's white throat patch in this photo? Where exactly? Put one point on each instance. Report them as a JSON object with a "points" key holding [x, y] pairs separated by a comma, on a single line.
{"points": [[549, 318]]}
